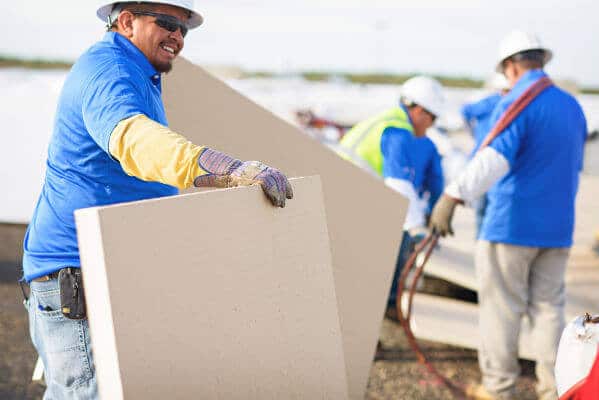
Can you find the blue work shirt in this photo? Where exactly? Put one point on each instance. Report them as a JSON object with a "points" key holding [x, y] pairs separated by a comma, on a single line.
{"points": [[533, 205], [414, 159], [111, 81], [478, 116]]}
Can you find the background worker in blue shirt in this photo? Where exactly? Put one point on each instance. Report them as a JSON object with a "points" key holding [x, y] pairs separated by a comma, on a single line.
{"points": [[477, 116], [393, 145], [531, 171], [111, 144]]}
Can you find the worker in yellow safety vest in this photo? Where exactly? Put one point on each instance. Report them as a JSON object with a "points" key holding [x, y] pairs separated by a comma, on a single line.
{"points": [[394, 146]]}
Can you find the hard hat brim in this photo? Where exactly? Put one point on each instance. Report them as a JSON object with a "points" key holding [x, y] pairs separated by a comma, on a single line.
{"points": [[195, 19], [548, 57]]}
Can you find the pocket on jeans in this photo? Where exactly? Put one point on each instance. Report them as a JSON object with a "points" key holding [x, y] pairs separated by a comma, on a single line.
{"points": [[65, 342], [47, 304]]}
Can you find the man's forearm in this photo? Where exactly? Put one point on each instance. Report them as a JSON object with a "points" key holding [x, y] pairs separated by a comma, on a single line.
{"points": [[482, 172], [415, 215], [152, 152]]}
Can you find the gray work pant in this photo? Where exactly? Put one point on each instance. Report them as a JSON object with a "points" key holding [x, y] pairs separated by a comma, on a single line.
{"points": [[515, 281]]}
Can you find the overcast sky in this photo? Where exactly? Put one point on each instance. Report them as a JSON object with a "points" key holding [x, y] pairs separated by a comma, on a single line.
{"points": [[451, 37]]}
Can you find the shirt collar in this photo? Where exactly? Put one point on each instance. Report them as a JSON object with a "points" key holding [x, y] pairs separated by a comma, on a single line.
{"points": [[134, 54], [525, 81]]}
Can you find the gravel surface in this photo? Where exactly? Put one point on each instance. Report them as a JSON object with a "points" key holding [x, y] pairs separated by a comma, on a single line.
{"points": [[396, 374]]}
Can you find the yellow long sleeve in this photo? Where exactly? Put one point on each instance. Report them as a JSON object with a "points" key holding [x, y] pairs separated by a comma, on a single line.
{"points": [[152, 152]]}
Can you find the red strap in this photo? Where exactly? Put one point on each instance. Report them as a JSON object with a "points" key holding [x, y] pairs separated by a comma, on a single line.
{"points": [[516, 108]]}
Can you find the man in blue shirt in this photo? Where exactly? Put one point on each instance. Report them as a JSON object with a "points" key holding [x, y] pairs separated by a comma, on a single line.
{"points": [[393, 144], [111, 144], [477, 116], [412, 166], [532, 169]]}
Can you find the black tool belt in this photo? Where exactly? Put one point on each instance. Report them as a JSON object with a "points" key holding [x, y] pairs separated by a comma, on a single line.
{"points": [[72, 296]]}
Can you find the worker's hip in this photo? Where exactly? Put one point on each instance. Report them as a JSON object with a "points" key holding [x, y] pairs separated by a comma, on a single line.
{"points": [[529, 279], [70, 289], [62, 343]]}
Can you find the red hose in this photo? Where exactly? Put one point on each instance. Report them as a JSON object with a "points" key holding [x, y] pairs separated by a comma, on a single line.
{"points": [[428, 244]]}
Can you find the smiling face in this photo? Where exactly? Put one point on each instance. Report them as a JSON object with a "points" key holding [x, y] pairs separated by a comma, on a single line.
{"points": [[158, 44]]}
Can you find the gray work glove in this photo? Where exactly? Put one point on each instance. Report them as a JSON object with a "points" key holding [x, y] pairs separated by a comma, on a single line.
{"points": [[442, 215], [225, 171]]}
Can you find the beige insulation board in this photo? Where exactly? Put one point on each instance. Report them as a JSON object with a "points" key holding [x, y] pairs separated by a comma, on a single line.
{"points": [[364, 217], [213, 295]]}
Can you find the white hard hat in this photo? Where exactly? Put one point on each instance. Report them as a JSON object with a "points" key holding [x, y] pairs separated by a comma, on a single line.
{"points": [[518, 41], [425, 92], [497, 82], [195, 19]]}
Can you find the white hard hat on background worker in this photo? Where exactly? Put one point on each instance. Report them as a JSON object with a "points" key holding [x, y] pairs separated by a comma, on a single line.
{"points": [[425, 92], [516, 42], [195, 19]]}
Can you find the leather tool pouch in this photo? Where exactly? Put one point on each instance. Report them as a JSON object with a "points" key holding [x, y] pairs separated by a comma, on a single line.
{"points": [[72, 298]]}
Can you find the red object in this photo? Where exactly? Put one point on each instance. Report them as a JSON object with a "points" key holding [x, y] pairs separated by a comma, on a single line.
{"points": [[426, 246], [516, 108], [587, 388], [309, 119]]}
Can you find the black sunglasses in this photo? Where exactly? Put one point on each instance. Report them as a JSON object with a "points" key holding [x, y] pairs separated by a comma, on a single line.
{"points": [[165, 21]]}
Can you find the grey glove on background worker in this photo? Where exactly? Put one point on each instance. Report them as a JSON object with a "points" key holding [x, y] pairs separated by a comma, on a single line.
{"points": [[153, 152], [482, 172], [440, 221]]}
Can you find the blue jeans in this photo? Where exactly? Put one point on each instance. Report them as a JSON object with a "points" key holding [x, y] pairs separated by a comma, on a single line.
{"points": [[63, 345]]}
